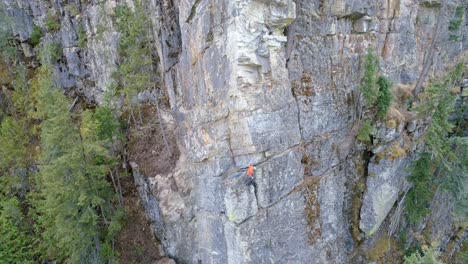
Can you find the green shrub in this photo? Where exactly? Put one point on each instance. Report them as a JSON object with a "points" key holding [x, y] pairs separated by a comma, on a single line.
{"points": [[82, 38], [51, 52], [456, 22], [36, 36], [384, 99], [73, 9], [52, 21], [454, 37], [369, 87], [364, 133], [56, 51], [428, 256]]}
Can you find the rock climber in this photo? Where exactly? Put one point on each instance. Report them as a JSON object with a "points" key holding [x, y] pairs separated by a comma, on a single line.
{"points": [[245, 175], [250, 175]]}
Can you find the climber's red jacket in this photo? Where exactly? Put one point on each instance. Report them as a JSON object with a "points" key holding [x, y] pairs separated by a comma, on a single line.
{"points": [[250, 170]]}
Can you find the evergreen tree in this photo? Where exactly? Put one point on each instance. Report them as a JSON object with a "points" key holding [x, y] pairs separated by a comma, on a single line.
{"points": [[369, 87], [17, 238], [72, 177], [384, 99], [24, 94], [18, 241], [135, 50], [15, 242], [13, 151], [444, 156], [419, 197]]}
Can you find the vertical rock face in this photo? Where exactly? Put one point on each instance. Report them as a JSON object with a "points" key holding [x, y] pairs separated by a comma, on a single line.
{"points": [[83, 30], [273, 83], [236, 108]]}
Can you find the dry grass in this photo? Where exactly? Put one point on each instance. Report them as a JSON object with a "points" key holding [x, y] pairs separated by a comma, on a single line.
{"points": [[394, 152], [398, 115], [457, 258], [403, 93], [385, 251], [390, 123], [312, 212]]}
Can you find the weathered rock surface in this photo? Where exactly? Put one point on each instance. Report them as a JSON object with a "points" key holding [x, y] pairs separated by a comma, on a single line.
{"points": [[268, 83], [384, 183], [240, 199]]}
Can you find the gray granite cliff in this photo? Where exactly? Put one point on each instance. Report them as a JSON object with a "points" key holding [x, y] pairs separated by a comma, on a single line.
{"points": [[274, 84]]}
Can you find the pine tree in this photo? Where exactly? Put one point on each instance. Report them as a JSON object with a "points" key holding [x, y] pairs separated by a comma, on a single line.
{"points": [[18, 241], [419, 197], [443, 157], [135, 50], [384, 99], [15, 242], [369, 87], [72, 178], [13, 153], [21, 96]]}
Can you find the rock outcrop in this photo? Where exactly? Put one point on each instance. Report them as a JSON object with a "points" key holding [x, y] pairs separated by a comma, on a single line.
{"points": [[273, 84]]}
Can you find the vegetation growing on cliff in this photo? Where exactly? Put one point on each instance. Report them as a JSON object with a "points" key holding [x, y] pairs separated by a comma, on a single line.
{"points": [[455, 24], [384, 98], [376, 90], [52, 21], [420, 196], [442, 164], [135, 67], [364, 133], [428, 256], [18, 239], [369, 87], [36, 36], [82, 38]]}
